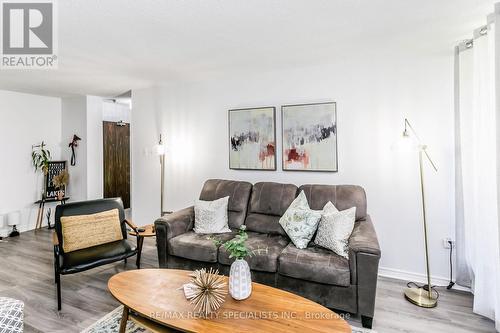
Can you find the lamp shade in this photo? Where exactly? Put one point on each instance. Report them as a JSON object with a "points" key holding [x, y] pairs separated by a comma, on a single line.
{"points": [[14, 218], [405, 143], [160, 149], [2, 221]]}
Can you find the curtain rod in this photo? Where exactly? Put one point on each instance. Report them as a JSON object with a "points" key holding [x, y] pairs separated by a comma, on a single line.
{"points": [[478, 33]]}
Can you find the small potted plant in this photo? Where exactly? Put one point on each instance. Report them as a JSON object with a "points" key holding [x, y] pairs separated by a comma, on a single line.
{"points": [[60, 181], [41, 158], [240, 280]]}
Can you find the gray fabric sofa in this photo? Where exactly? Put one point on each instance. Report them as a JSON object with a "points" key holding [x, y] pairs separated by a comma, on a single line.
{"points": [[315, 273]]}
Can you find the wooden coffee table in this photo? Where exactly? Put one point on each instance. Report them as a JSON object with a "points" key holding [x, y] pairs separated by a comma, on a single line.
{"points": [[155, 296]]}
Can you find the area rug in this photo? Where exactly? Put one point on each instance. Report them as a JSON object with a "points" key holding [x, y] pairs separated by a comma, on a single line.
{"points": [[110, 323]]}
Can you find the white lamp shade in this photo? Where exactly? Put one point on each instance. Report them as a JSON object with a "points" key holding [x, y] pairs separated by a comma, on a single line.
{"points": [[405, 143], [14, 218], [2, 222], [160, 149]]}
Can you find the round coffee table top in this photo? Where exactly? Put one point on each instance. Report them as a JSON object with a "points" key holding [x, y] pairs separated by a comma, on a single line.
{"points": [[155, 294], [148, 232]]}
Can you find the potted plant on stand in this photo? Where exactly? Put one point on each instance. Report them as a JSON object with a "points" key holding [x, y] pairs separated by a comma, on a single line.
{"points": [[41, 157], [240, 280]]}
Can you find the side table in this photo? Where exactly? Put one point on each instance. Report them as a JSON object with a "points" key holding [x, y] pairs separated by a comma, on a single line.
{"points": [[149, 231]]}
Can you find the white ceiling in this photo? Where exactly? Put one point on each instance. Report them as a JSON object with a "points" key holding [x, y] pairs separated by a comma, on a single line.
{"points": [[107, 47]]}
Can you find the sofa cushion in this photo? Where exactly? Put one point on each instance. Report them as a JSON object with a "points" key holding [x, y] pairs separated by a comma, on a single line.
{"points": [[266, 260], [196, 246], [238, 192], [80, 260], [300, 222], [335, 228], [268, 203], [342, 196], [210, 217], [315, 264], [84, 231]]}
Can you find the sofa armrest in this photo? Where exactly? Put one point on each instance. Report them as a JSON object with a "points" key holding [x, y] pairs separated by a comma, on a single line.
{"points": [[170, 226], [364, 238], [364, 257]]}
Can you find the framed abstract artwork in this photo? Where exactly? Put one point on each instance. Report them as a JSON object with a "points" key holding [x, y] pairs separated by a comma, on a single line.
{"points": [[309, 137], [252, 139]]}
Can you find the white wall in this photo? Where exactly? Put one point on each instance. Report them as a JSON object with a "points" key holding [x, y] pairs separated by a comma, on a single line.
{"points": [[74, 121], [116, 112], [25, 120], [83, 116], [95, 172], [374, 92], [145, 166]]}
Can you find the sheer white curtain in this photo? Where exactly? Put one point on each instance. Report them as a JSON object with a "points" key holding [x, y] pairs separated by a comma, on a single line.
{"points": [[478, 168]]}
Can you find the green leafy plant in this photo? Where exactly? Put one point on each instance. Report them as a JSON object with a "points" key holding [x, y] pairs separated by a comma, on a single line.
{"points": [[41, 158], [237, 246]]}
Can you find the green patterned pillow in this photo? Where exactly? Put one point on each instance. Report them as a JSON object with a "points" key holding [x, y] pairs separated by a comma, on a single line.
{"points": [[300, 222]]}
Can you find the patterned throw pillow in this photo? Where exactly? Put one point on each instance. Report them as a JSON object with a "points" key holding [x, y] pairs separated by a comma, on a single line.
{"points": [[210, 217], [300, 222], [335, 228]]}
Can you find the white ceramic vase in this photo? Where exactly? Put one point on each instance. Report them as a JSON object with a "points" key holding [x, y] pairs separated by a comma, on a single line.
{"points": [[240, 280]]}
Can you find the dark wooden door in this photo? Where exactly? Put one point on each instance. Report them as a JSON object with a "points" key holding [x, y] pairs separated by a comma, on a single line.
{"points": [[116, 141]]}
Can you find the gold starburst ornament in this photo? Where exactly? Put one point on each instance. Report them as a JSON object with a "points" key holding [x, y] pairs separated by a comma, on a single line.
{"points": [[207, 291]]}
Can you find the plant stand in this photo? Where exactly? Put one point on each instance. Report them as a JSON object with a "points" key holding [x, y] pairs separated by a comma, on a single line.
{"points": [[41, 209]]}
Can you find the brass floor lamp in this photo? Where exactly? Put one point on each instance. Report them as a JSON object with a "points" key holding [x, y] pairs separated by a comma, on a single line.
{"points": [[160, 151], [423, 296]]}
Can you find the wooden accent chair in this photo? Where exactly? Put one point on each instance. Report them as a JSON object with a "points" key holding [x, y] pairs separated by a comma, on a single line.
{"points": [[87, 258]]}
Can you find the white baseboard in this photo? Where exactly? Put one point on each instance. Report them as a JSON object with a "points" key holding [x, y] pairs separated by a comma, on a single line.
{"points": [[416, 277]]}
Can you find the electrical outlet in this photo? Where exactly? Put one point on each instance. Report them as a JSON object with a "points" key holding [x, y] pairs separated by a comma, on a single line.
{"points": [[446, 242]]}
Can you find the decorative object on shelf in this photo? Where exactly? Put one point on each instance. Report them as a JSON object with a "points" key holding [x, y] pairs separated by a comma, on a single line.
{"points": [[207, 291], [424, 296], [14, 219], [309, 137], [40, 157], [73, 144], [252, 139], [60, 181], [54, 169], [160, 150], [240, 280]]}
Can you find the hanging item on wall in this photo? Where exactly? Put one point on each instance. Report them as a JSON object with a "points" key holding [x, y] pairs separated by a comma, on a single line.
{"points": [[73, 144], [55, 169], [252, 139], [309, 137]]}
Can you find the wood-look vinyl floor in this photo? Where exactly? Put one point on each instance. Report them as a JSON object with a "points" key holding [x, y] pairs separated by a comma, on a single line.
{"points": [[26, 273]]}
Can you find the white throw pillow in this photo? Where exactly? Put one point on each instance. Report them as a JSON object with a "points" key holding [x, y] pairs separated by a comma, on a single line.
{"points": [[335, 228], [300, 222], [210, 217]]}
